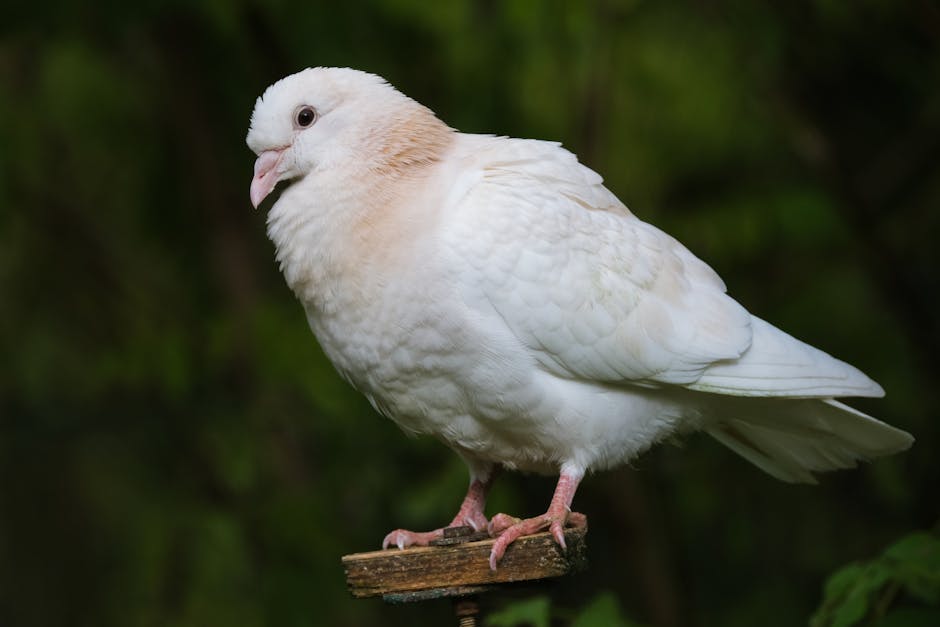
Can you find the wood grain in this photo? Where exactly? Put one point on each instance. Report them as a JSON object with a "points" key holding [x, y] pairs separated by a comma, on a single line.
{"points": [[397, 571]]}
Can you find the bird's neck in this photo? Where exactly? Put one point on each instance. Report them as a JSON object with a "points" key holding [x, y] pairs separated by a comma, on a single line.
{"points": [[416, 140]]}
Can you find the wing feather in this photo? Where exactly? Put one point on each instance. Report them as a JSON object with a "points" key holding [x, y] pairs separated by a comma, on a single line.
{"points": [[594, 293], [777, 364]]}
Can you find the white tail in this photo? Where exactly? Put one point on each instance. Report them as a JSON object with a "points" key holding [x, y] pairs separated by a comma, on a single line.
{"points": [[791, 439]]}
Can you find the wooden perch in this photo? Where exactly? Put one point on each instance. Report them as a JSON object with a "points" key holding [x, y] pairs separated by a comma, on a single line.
{"points": [[458, 565]]}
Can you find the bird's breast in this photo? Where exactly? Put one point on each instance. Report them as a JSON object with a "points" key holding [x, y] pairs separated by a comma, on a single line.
{"points": [[395, 344]]}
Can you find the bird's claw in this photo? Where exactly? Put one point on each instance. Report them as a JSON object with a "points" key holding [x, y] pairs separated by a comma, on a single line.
{"points": [[402, 538], [558, 532], [476, 520], [507, 529]]}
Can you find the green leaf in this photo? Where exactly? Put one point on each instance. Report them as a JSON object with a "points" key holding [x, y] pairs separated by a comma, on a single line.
{"points": [[534, 612], [911, 566], [603, 611], [846, 598], [916, 560]]}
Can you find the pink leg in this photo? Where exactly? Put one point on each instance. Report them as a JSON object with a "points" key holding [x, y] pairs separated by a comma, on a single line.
{"points": [[470, 513], [509, 529]]}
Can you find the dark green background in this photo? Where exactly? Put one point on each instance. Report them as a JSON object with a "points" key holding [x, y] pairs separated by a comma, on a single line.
{"points": [[174, 449]]}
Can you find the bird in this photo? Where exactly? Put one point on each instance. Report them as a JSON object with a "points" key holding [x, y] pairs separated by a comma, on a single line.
{"points": [[492, 293]]}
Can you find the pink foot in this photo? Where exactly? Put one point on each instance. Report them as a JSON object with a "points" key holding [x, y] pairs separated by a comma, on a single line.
{"points": [[402, 538], [507, 529], [470, 514]]}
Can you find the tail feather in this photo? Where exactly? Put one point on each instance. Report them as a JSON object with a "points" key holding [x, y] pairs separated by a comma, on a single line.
{"points": [[791, 439]]}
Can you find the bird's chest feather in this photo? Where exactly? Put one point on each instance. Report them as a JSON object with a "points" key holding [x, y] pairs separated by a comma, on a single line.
{"points": [[378, 335], [378, 309], [416, 362]]}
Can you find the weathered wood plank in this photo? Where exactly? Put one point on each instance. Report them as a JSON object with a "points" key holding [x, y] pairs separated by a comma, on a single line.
{"points": [[396, 571]]}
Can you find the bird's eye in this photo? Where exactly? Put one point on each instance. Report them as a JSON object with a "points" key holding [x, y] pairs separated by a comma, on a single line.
{"points": [[305, 116]]}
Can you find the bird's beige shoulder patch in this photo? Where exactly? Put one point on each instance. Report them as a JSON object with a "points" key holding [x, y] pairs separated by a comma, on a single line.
{"points": [[417, 140]]}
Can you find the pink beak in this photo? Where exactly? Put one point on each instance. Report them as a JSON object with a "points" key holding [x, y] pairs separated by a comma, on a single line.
{"points": [[266, 175]]}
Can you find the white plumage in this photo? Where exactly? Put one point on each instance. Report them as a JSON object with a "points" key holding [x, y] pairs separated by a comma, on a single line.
{"points": [[491, 292]]}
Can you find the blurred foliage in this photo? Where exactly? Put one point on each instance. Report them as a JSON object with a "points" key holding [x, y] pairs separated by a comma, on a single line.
{"points": [[174, 449], [870, 593], [534, 611], [602, 611]]}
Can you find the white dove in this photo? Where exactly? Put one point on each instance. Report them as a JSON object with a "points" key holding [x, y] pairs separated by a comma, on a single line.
{"points": [[492, 293]]}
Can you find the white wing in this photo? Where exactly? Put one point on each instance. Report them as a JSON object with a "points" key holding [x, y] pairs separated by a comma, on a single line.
{"points": [[777, 364], [594, 293]]}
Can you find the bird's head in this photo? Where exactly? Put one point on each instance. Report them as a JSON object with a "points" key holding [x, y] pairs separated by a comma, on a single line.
{"points": [[323, 118]]}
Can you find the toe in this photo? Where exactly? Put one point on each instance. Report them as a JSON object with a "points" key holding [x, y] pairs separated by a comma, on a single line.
{"points": [[402, 538], [393, 538], [500, 523], [497, 552], [577, 520], [478, 522], [558, 532]]}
